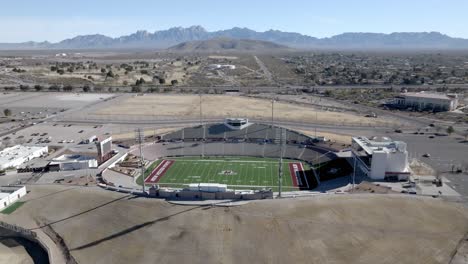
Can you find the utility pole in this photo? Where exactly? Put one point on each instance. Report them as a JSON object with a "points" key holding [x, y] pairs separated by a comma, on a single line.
{"points": [[201, 116], [202, 126], [354, 168], [140, 137], [316, 122], [280, 167], [272, 107]]}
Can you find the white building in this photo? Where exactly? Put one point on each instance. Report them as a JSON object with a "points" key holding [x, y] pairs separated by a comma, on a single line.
{"points": [[14, 156], [207, 187], [236, 123], [427, 101], [381, 160], [222, 66], [9, 195], [73, 162]]}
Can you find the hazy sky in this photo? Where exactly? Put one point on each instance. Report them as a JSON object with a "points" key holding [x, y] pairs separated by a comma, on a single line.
{"points": [[54, 20]]}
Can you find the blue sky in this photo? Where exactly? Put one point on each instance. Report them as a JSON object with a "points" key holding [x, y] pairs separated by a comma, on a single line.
{"points": [[54, 20]]}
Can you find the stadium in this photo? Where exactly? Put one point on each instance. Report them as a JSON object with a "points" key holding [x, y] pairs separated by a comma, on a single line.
{"points": [[241, 155]]}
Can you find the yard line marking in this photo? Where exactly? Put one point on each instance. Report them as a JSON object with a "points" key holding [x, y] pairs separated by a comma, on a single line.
{"points": [[293, 170]]}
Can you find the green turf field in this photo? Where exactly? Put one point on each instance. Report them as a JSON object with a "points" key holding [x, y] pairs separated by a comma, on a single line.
{"points": [[236, 172], [10, 209]]}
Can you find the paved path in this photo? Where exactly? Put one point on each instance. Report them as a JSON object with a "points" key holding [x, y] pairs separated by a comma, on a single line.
{"points": [[265, 70], [223, 203]]}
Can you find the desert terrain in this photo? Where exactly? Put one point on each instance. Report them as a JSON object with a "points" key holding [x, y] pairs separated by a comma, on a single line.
{"points": [[102, 227]]}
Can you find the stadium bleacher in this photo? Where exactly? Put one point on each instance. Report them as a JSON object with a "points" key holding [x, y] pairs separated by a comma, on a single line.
{"points": [[254, 140], [258, 140]]}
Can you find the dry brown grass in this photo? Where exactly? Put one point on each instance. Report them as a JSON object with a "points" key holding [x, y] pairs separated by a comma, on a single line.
{"points": [[131, 135], [106, 227], [230, 106], [334, 137]]}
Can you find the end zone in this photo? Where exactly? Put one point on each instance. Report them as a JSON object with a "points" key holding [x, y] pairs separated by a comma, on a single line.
{"points": [[159, 171], [298, 176]]}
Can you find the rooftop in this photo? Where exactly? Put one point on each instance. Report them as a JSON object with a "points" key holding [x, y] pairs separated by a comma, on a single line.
{"points": [[427, 95], [386, 145], [16, 152], [71, 158]]}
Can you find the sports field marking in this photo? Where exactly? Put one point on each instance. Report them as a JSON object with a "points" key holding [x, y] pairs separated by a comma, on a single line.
{"points": [[232, 186], [255, 173], [159, 171], [236, 161], [294, 170]]}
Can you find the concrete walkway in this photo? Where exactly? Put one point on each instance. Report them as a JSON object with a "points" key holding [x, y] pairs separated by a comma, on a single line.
{"points": [[55, 254], [223, 203]]}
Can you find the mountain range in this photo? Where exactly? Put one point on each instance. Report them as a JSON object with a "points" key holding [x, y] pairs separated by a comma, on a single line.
{"points": [[166, 38], [228, 44]]}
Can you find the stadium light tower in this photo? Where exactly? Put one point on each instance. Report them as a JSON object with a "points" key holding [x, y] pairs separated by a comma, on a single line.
{"points": [[282, 142], [140, 137], [354, 169], [201, 116], [272, 111], [202, 126]]}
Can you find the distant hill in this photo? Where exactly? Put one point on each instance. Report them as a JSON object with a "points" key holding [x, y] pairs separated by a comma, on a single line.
{"points": [[174, 36], [227, 44]]}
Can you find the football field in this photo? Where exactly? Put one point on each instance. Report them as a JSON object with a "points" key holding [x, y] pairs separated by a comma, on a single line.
{"points": [[236, 172]]}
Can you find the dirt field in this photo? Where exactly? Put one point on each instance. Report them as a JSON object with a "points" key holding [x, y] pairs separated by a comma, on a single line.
{"points": [[339, 138], [148, 132], [106, 227], [224, 106]]}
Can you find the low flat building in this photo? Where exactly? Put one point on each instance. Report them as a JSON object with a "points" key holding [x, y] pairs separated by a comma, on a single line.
{"points": [[15, 156], [10, 194], [424, 101], [236, 123], [35, 165], [381, 160], [72, 162]]}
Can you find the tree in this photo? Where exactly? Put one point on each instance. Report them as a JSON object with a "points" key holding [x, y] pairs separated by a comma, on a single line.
{"points": [[162, 81], [7, 112], [60, 71], [54, 88], [67, 88], [140, 82], [110, 74], [103, 70], [450, 130], [174, 82], [136, 89], [24, 88], [38, 87], [329, 93], [86, 88]]}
